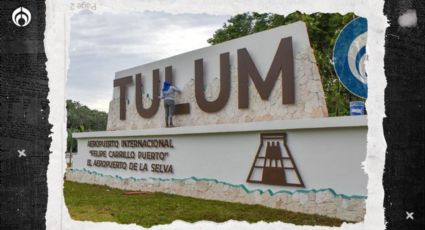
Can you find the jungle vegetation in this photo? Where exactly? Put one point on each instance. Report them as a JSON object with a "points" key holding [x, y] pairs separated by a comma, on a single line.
{"points": [[323, 30]]}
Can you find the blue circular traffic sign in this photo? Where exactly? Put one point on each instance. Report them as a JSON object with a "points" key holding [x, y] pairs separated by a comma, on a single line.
{"points": [[349, 55]]}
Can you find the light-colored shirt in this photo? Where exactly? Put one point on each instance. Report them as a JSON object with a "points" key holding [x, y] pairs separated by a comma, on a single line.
{"points": [[170, 94]]}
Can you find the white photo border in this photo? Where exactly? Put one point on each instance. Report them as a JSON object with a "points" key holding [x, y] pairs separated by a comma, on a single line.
{"points": [[57, 34]]}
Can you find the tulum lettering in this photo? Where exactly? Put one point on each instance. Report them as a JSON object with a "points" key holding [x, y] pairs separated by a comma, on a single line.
{"points": [[123, 83], [282, 65], [151, 111], [223, 96]]}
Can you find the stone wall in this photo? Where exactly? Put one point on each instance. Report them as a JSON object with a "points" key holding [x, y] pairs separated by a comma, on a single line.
{"points": [[309, 102], [323, 202]]}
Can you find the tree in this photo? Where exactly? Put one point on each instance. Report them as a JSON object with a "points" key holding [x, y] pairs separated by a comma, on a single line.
{"points": [[323, 29], [80, 119]]}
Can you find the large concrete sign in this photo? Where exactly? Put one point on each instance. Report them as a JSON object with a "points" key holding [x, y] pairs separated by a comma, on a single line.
{"points": [[253, 129], [266, 76]]}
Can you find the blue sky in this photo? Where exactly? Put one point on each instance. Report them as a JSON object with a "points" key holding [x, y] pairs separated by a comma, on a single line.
{"points": [[102, 44]]}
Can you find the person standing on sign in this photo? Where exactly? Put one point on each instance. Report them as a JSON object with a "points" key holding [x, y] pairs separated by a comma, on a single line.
{"points": [[168, 94]]}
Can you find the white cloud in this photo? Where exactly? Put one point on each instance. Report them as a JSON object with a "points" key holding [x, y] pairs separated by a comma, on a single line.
{"points": [[102, 44]]}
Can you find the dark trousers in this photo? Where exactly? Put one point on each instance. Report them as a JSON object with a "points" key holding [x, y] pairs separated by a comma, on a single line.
{"points": [[169, 112]]}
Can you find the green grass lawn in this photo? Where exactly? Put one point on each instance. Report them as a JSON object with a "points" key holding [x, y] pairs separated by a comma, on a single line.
{"points": [[100, 203]]}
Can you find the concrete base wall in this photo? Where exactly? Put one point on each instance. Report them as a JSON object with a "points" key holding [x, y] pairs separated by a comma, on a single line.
{"points": [[321, 202]]}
